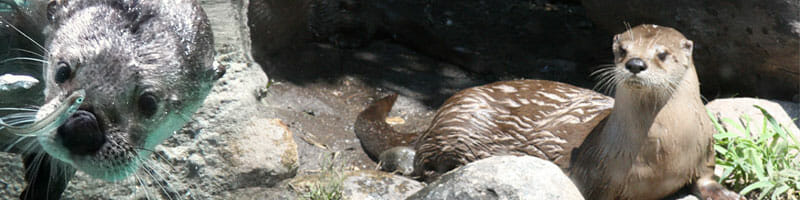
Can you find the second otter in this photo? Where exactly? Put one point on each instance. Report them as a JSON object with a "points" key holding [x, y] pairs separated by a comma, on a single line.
{"points": [[655, 141]]}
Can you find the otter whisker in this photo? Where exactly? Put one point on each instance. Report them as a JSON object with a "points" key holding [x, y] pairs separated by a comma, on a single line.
{"points": [[28, 51], [170, 176], [142, 186], [160, 181], [604, 75], [23, 58], [3, 21], [603, 82], [31, 170], [607, 81], [20, 115], [628, 28], [18, 109], [603, 67]]}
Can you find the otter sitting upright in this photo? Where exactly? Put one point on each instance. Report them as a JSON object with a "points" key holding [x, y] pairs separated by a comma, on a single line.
{"points": [[655, 141], [135, 71]]}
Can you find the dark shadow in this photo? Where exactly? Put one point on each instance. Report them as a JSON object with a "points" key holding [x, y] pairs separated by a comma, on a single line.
{"points": [[505, 40]]}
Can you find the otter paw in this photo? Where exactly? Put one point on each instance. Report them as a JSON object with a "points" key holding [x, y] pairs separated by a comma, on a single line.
{"points": [[716, 191]]}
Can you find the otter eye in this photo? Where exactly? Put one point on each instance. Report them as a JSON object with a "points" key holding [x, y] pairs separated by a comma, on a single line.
{"points": [[662, 55], [148, 104], [63, 73], [622, 52]]}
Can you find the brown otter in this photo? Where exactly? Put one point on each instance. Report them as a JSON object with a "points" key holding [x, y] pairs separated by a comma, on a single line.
{"points": [[522, 117], [136, 69], [655, 141]]}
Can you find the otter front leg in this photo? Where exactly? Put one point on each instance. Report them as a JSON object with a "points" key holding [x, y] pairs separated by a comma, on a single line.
{"points": [[46, 178], [707, 188]]}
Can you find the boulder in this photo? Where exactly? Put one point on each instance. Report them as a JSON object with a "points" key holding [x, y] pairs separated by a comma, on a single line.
{"points": [[503, 177]]}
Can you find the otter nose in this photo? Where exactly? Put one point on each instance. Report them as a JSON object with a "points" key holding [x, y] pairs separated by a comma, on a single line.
{"points": [[635, 65], [80, 134]]}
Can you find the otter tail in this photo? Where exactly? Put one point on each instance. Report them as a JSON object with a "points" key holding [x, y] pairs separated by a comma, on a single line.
{"points": [[375, 134]]}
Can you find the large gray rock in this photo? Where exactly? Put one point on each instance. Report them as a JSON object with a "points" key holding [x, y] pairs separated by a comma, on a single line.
{"points": [[746, 47], [736, 108], [503, 177]]}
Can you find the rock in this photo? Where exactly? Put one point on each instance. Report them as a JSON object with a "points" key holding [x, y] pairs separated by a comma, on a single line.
{"points": [[12, 172], [735, 108], [263, 153], [260, 193], [368, 184], [503, 177], [398, 159], [741, 47], [361, 184]]}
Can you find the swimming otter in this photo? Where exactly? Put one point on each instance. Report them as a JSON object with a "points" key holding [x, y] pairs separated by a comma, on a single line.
{"points": [[655, 140], [144, 68]]}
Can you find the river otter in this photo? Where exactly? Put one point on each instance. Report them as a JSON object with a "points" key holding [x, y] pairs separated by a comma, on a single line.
{"points": [[655, 140], [141, 69]]}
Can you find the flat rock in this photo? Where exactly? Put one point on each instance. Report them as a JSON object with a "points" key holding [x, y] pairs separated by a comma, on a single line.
{"points": [[369, 184], [503, 177]]}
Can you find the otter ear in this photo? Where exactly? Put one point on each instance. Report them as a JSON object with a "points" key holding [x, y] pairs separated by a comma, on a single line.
{"points": [[687, 46]]}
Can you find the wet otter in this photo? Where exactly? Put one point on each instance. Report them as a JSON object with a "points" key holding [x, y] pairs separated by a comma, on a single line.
{"points": [[619, 153], [145, 68]]}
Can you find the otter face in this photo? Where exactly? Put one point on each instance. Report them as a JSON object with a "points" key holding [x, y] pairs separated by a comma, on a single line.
{"points": [[143, 73], [651, 57]]}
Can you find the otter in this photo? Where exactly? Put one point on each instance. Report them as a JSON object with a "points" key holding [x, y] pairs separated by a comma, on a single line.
{"points": [[136, 70], [650, 141]]}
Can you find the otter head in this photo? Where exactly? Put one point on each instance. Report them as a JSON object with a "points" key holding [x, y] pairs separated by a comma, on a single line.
{"points": [[651, 59], [144, 69]]}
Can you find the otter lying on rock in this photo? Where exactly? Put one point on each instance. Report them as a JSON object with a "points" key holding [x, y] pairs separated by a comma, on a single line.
{"points": [[653, 139]]}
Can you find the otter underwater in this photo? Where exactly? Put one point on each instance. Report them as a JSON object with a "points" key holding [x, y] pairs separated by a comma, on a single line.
{"points": [[120, 76]]}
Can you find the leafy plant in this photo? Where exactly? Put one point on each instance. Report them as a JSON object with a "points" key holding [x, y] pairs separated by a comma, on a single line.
{"points": [[762, 163]]}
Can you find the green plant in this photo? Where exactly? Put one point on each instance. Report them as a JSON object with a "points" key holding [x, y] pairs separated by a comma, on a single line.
{"points": [[329, 185], [764, 162]]}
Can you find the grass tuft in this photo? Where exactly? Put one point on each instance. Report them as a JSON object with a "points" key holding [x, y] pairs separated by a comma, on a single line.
{"points": [[758, 162], [329, 186]]}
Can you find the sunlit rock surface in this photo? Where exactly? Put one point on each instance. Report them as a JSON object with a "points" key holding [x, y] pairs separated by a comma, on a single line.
{"points": [[743, 110], [503, 177]]}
